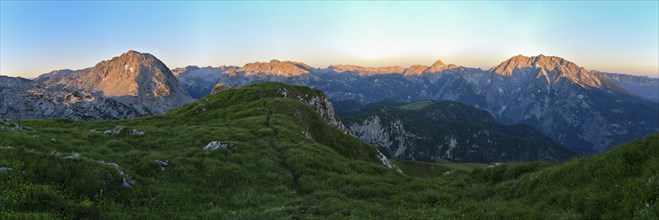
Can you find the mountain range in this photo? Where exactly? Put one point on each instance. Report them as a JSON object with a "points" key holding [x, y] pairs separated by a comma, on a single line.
{"points": [[581, 109], [273, 151], [586, 111]]}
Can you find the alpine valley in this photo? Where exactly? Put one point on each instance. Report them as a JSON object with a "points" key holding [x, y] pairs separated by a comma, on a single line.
{"points": [[130, 138], [435, 130]]}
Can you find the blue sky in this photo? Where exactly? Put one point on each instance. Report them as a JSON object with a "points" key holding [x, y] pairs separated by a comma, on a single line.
{"points": [[37, 37]]}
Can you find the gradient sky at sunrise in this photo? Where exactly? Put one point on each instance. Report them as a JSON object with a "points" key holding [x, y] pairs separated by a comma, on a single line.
{"points": [[37, 37]]}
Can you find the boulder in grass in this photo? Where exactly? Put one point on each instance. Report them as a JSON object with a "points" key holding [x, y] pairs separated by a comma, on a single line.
{"points": [[215, 145]]}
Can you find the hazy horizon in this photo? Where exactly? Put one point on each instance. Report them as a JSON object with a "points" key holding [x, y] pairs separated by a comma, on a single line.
{"points": [[619, 37]]}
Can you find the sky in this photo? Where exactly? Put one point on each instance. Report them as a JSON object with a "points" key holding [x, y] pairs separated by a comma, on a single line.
{"points": [[38, 37]]}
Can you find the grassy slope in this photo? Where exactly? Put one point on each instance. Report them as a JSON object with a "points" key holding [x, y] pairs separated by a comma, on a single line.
{"points": [[416, 105], [435, 169], [273, 171]]}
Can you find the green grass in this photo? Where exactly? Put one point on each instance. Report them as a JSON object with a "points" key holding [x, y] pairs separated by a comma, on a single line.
{"points": [[436, 169], [415, 105], [272, 171]]}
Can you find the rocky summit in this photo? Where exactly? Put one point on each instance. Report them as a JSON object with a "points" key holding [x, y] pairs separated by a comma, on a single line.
{"points": [[567, 102], [136, 79], [550, 68], [131, 85]]}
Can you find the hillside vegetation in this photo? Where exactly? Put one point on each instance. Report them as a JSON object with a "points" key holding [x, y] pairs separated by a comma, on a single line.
{"points": [[277, 157], [432, 131]]}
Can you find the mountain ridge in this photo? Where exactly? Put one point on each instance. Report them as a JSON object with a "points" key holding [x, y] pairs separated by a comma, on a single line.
{"points": [[564, 101], [276, 67]]}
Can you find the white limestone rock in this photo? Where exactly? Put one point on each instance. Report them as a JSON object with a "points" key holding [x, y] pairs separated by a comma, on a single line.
{"points": [[162, 164], [216, 145]]}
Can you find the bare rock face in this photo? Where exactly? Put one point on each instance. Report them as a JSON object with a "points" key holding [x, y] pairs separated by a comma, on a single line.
{"points": [[324, 107], [15, 83], [135, 79], [415, 70], [373, 131], [131, 85], [56, 75], [276, 68], [437, 67], [550, 68], [367, 71], [318, 102], [39, 102]]}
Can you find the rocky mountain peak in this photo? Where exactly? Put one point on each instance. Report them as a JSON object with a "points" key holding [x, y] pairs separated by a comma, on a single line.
{"points": [[439, 66], [277, 68], [438, 63], [415, 70], [548, 63], [132, 74], [367, 71], [436, 67], [550, 68]]}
